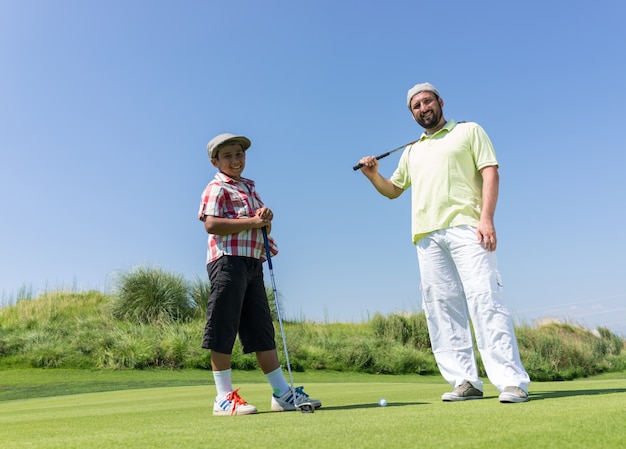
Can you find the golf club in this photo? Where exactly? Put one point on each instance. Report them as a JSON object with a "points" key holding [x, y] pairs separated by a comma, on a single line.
{"points": [[304, 407], [356, 167]]}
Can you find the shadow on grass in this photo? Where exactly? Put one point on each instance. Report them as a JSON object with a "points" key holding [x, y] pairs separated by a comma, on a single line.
{"points": [[364, 406], [361, 406], [538, 396]]}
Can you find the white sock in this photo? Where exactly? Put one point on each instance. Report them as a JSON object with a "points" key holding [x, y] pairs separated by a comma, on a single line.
{"points": [[278, 382], [223, 383]]}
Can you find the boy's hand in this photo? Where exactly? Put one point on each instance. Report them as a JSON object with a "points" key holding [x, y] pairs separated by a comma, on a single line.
{"points": [[265, 214], [262, 218]]}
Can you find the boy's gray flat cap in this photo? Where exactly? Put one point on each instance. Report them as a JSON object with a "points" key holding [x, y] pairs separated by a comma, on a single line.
{"points": [[218, 141]]}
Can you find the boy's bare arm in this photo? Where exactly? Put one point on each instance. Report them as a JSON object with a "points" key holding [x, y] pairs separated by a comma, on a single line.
{"points": [[227, 226]]}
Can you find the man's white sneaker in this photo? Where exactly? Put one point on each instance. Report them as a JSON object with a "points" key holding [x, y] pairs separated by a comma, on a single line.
{"points": [[232, 404], [513, 394], [462, 393], [286, 402]]}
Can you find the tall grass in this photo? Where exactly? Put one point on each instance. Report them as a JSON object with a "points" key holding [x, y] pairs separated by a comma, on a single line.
{"points": [[150, 295], [199, 291], [156, 320], [557, 351], [410, 330]]}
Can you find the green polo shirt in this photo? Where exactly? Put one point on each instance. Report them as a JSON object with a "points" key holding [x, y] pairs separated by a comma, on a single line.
{"points": [[443, 171]]}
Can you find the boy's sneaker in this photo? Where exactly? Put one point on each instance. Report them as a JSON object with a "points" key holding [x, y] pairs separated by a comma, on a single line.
{"points": [[232, 404], [462, 393], [513, 394], [285, 402]]}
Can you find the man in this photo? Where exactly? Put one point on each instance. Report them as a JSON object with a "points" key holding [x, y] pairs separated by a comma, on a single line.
{"points": [[453, 172]]}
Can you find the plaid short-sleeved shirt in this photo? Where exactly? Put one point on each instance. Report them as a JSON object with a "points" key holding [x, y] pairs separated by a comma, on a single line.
{"points": [[227, 198]]}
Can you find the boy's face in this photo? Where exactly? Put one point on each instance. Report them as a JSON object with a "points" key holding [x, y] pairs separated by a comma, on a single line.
{"points": [[230, 160]]}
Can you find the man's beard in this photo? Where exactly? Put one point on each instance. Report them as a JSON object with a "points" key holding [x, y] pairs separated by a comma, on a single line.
{"points": [[430, 122]]}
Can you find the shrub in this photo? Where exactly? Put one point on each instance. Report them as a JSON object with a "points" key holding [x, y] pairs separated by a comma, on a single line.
{"points": [[357, 355], [200, 290], [269, 291], [75, 330], [43, 349], [562, 351], [150, 295], [10, 343], [609, 344], [175, 346], [242, 361], [406, 359], [405, 329], [132, 348]]}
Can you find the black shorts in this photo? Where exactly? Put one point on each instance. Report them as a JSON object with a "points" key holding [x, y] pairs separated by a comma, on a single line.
{"points": [[237, 304]]}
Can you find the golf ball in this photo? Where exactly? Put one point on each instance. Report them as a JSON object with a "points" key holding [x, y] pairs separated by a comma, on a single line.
{"points": [[382, 402]]}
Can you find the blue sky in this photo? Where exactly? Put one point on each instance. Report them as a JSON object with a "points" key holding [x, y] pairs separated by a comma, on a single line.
{"points": [[106, 109]]}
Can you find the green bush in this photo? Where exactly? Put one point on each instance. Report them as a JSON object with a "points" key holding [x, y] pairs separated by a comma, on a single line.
{"points": [[176, 344], [78, 330], [563, 351], [132, 348], [406, 359], [200, 290], [271, 298], [405, 329], [10, 343], [609, 343], [150, 295]]}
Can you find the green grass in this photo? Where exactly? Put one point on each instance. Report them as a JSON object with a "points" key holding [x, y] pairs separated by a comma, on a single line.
{"points": [[80, 330], [89, 397], [34, 383], [588, 413]]}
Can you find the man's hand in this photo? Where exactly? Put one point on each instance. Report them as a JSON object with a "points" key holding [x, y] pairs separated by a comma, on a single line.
{"points": [[369, 166], [384, 186], [486, 233]]}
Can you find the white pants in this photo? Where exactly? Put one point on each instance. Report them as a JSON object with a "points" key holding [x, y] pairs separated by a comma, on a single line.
{"points": [[460, 281]]}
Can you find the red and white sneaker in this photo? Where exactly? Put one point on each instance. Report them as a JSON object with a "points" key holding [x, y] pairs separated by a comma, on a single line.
{"points": [[232, 404]]}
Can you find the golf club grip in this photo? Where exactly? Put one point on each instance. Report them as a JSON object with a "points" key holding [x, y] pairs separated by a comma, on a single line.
{"points": [[266, 242], [356, 167]]}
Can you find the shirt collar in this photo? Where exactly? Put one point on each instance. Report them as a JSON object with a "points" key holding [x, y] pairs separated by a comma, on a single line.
{"points": [[446, 128], [227, 179]]}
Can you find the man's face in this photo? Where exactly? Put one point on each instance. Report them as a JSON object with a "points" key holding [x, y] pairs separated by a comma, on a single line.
{"points": [[230, 160], [426, 109]]}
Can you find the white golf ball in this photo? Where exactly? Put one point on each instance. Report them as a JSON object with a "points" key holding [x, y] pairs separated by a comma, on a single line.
{"points": [[382, 402]]}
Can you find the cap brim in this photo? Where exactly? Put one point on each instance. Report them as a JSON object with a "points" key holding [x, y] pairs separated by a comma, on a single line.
{"points": [[241, 140]]}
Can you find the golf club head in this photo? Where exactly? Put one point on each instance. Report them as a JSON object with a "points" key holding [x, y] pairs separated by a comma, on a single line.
{"points": [[306, 407]]}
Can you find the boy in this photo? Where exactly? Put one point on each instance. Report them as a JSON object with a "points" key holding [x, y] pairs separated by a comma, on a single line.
{"points": [[233, 215]]}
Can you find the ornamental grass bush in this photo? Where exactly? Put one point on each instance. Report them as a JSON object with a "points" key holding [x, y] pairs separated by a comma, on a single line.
{"points": [[151, 295]]}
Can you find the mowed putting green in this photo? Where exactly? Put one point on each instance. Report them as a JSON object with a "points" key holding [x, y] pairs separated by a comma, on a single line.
{"points": [[589, 413]]}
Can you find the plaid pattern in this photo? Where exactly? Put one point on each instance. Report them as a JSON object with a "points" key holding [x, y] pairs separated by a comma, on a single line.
{"points": [[227, 198]]}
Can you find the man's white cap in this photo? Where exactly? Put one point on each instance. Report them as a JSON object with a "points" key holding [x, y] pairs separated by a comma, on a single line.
{"points": [[423, 87]]}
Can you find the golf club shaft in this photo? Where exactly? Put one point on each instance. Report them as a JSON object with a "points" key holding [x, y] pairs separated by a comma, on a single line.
{"points": [[358, 166], [268, 253]]}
